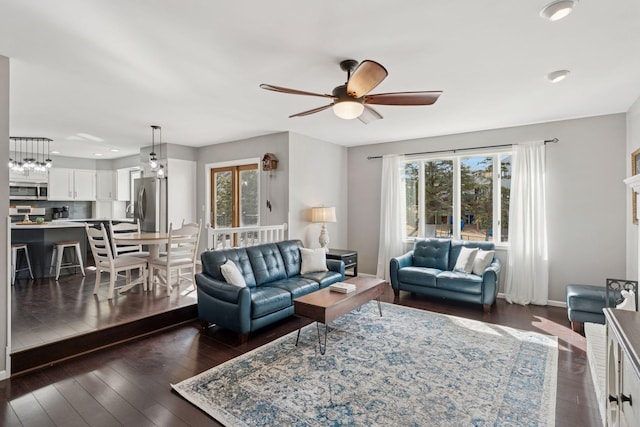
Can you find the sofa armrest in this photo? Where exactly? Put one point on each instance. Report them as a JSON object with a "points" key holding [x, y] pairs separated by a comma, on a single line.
{"points": [[223, 304], [220, 290], [491, 282], [396, 264], [336, 265]]}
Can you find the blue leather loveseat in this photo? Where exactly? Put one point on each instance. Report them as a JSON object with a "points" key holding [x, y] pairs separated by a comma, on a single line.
{"points": [[429, 269], [272, 275]]}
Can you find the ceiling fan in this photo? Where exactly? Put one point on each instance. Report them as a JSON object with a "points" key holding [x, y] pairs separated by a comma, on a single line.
{"points": [[352, 99]]}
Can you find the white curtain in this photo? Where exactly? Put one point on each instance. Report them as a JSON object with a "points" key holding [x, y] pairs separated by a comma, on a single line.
{"points": [[392, 218], [527, 278]]}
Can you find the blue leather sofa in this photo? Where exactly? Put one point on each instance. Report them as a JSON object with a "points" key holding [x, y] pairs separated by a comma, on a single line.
{"points": [[272, 274], [428, 270]]}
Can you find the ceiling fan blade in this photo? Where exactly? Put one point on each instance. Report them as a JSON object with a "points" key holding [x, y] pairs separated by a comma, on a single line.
{"points": [[369, 115], [365, 78], [315, 110], [403, 98], [293, 91]]}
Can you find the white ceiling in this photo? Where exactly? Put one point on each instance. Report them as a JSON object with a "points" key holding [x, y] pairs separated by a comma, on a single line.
{"points": [[111, 68]]}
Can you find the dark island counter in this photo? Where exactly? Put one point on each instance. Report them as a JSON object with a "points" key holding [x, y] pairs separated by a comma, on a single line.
{"points": [[40, 239]]}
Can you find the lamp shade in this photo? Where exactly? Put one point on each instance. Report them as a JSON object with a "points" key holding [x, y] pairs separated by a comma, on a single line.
{"points": [[323, 214], [348, 109]]}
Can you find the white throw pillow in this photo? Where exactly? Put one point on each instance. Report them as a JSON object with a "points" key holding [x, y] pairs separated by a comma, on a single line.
{"points": [[232, 275], [313, 260], [629, 302], [482, 261], [465, 260]]}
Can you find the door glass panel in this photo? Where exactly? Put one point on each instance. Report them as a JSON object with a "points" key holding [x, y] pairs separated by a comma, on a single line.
{"points": [[248, 198], [223, 199], [438, 198], [476, 185]]}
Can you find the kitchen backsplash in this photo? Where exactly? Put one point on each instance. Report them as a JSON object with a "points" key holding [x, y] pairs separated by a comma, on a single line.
{"points": [[76, 209]]}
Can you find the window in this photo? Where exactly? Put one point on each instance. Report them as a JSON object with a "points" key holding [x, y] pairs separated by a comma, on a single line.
{"points": [[461, 197], [234, 195]]}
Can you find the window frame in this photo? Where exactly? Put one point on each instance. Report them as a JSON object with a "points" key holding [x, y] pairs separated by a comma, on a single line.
{"points": [[456, 158], [209, 205]]}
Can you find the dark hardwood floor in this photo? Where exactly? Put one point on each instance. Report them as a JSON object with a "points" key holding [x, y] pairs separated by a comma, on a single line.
{"points": [[129, 384], [44, 311]]}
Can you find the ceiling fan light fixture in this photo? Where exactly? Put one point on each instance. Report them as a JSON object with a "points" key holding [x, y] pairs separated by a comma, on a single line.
{"points": [[348, 109], [557, 76], [558, 9]]}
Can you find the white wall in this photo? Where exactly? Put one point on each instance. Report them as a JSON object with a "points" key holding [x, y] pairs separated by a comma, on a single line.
{"points": [[317, 177], [4, 196], [633, 143], [181, 190], [586, 197]]}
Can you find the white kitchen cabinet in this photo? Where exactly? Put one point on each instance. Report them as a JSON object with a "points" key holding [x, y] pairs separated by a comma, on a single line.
{"points": [[105, 185], [29, 175], [123, 184], [72, 184]]}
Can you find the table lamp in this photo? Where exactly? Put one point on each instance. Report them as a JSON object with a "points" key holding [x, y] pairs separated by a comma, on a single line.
{"points": [[323, 215]]}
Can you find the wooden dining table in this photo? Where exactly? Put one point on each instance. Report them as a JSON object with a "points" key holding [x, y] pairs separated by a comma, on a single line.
{"points": [[151, 239]]}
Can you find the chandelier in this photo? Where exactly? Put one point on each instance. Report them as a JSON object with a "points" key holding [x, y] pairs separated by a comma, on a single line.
{"points": [[29, 153]]}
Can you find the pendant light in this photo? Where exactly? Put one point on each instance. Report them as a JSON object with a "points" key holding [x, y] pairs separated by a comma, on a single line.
{"points": [[48, 162], [153, 158]]}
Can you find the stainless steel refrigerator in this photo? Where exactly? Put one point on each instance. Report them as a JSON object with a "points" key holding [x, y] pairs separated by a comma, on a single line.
{"points": [[150, 205]]}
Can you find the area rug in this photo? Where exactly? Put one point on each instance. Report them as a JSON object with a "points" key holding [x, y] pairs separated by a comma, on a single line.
{"points": [[407, 368]]}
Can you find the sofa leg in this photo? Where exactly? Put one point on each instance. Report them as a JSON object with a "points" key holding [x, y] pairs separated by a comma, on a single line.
{"points": [[205, 325], [243, 338], [486, 308], [396, 292], [576, 327]]}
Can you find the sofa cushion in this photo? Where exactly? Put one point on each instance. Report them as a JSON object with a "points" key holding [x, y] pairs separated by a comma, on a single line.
{"points": [[212, 260], [296, 286], [324, 278], [232, 275], [432, 253], [313, 260], [423, 276], [457, 245], [290, 251], [267, 263], [267, 299], [464, 264], [482, 261], [456, 281]]}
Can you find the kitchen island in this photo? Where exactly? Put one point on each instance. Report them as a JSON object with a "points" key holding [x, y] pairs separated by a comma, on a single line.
{"points": [[41, 238]]}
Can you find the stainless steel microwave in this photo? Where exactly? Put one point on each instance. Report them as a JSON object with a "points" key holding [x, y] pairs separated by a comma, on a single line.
{"points": [[28, 190]]}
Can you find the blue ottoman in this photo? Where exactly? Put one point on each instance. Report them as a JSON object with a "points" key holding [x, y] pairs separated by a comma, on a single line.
{"points": [[585, 304]]}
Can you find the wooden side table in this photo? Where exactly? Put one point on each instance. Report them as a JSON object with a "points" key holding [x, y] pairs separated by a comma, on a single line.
{"points": [[349, 257]]}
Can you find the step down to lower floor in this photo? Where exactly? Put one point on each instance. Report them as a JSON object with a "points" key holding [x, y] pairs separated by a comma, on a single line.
{"points": [[49, 354]]}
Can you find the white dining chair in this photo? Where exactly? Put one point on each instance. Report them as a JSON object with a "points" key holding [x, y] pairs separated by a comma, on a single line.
{"points": [[106, 262], [182, 252], [126, 249]]}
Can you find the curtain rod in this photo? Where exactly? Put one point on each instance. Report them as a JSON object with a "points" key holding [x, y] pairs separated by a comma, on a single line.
{"points": [[546, 141]]}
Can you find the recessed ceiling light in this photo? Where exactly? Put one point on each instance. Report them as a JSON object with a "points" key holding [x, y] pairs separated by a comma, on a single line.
{"points": [[97, 154], [558, 9], [55, 152], [114, 150], [556, 76]]}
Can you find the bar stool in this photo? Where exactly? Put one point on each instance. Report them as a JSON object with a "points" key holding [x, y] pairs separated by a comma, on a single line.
{"points": [[58, 252], [15, 247]]}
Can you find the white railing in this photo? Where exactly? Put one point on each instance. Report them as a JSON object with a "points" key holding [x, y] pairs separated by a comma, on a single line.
{"points": [[238, 237]]}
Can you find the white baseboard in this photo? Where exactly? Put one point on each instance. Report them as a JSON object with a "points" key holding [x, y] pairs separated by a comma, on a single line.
{"points": [[551, 303]]}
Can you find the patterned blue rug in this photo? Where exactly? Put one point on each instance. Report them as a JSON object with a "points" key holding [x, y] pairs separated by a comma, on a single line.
{"points": [[408, 368]]}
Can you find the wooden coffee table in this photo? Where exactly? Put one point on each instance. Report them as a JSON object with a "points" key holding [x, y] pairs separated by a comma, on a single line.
{"points": [[324, 305]]}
